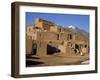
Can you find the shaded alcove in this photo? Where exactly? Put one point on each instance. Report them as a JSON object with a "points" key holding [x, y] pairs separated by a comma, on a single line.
{"points": [[34, 49], [31, 63], [76, 46], [52, 50]]}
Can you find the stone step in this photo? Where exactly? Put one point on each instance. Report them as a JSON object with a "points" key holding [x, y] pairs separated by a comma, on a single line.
{"points": [[70, 52]]}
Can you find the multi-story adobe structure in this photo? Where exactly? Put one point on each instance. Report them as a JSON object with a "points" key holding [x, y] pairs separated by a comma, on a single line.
{"points": [[46, 38]]}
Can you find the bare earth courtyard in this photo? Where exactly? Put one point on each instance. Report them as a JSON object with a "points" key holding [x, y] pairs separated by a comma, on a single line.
{"points": [[56, 60]]}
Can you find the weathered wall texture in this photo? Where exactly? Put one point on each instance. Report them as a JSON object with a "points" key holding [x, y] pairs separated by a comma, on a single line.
{"points": [[50, 39]]}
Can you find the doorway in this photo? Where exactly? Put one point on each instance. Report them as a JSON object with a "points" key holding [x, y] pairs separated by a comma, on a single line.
{"points": [[34, 49], [52, 50]]}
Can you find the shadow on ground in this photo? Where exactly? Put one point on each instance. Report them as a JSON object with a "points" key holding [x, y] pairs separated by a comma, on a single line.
{"points": [[30, 63], [53, 60]]}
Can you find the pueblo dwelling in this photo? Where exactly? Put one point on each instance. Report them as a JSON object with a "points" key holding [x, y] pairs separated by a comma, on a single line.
{"points": [[45, 38]]}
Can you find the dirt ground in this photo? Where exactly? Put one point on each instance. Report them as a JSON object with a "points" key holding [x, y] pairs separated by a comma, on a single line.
{"points": [[56, 60]]}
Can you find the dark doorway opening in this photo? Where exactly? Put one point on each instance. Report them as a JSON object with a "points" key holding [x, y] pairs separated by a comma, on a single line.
{"points": [[70, 36], [76, 46], [57, 36], [77, 50], [34, 49], [52, 50]]}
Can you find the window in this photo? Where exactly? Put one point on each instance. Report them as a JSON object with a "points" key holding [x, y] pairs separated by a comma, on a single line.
{"points": [[70, 36], [85, 46], [60, 30], [50, 41], [57, 36]]}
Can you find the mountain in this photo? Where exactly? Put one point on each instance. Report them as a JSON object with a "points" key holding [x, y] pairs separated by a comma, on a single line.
{"points": [[80, 33]]}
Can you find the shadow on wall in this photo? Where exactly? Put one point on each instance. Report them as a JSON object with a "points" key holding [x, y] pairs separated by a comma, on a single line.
{"points": [[52, 50], [34, 49]]}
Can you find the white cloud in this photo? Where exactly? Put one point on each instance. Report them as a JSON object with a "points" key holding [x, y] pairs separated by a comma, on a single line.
{"points": [[71, 26]]}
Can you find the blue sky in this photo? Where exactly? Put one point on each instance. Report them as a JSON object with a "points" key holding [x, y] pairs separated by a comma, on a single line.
{"points": [[80, 21]]}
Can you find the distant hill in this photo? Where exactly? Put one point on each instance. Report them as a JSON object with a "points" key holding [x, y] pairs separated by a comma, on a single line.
{"points": [[80, 34]]}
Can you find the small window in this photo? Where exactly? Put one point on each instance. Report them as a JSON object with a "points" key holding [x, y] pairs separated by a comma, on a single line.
{"points": [[57, 36], [70, 36], [60, 30], [50, 41], [85, 46]]}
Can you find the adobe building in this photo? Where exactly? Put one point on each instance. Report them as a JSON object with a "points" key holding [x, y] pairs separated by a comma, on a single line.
{"points": [[46, 38]]}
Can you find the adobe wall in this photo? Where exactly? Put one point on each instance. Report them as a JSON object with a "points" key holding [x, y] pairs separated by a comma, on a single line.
{"points": [[28, 45], [51, 36], [54, 36], [46, 36], [41, 48]]}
